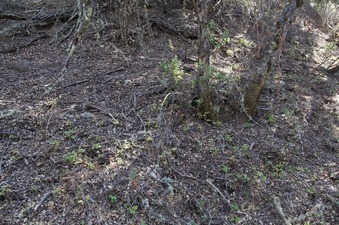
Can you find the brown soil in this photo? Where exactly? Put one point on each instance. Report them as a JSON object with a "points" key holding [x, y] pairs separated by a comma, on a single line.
{"points": [[96, 144]]}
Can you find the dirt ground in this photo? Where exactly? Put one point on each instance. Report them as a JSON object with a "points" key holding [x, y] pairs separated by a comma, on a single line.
{"points": [[107, 141]]}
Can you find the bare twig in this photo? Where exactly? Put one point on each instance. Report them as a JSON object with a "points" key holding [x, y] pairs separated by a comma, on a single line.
{"points": [[76, 83], [183, 175], [109, 72], [220, 193], [43, 199], [103, 111], [251, 147], [15, 48], [277, 205]]}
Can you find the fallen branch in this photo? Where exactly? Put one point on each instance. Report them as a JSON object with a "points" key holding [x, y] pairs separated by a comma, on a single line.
{"points": [[184, 175], [7, 113], [43, 199], [103, 111], [227, 201], [76, 83], [39, 20], [14, 48], [333, 70], [277, 205], [11, 16], [318, 209]]}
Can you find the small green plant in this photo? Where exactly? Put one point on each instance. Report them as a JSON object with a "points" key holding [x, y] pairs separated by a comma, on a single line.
{"points": [[71, 134], [203, 116], [212, 26], [81, 150], [151, 124], [331, 47], [170, 45], [12, 137], [200, 204], [57, 191], [127, 145], [71, 157], [133, 210], [96, 146], [15, 155], [120, 161], [243, 178], [228, 138], [234, 218], [224, 169], [246, 178], [245, 147], [186, 128], [3, 191], [235, 147], [215, 150], [154, 107], [217, 123], [192, 222], [87, 198], [198, 102], [79, 192], [69, 123], [210, 72], [259, 177], [90, 165], [235, 206], [244, 42], [113, 199], [288, 115], [174, 68], [278, 169], [219, 76], [34, 189], [132, 175], [270, 118], [98, 139], [225, 37], [236, 67], [311, 191], [166, 155], [55, 144], [214, 38]]}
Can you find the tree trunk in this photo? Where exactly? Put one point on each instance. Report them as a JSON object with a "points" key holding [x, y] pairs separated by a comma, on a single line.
{"points": [[266, 60], [254, 90], [205, 100]]}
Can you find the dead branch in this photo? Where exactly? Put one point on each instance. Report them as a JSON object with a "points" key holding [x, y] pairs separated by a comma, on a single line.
{"points": [[43, 199], [11, 16], [227, 201], [40, 20], [333, 70], [277, 205], [175, 24], [76, 83], [14, 48]]}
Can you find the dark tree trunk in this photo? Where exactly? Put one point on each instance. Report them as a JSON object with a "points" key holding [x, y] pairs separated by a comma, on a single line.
{"points": [[267, 59], [205, 100]]}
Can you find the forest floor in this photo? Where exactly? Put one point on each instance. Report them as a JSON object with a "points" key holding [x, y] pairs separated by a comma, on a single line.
{"points": [[110, 141]]}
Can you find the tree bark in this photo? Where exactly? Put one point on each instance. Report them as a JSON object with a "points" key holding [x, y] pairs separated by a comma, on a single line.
{"points": [[267, 58], [205, 105]]}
